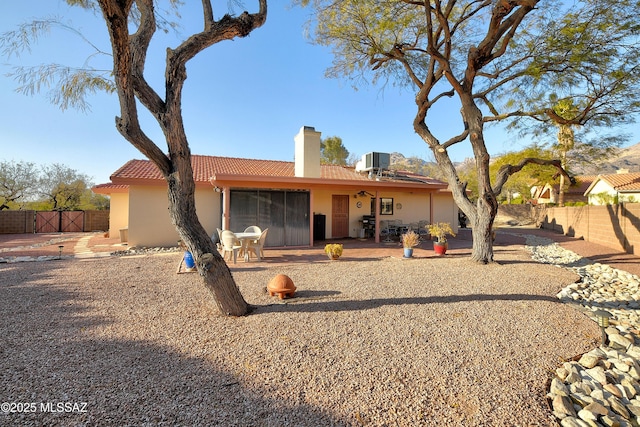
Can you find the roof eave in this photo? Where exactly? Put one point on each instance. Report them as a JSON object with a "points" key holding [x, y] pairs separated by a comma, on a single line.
{"points": [[222, 179]]}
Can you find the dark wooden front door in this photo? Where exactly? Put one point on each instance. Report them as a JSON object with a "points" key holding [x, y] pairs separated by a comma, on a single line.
{"points": [[339, 216]]}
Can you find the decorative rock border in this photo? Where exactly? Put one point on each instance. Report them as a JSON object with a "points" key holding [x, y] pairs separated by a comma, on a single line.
{"points": [[88, 254], [12, 259], [602, 387]]}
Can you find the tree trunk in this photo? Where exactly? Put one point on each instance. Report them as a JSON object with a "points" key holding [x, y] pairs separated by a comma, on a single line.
{"points": [[561, 191], [129, 57], [482, 232], [563, 162], [211, 266], [482, 214], [486, 207], [566, 142]]}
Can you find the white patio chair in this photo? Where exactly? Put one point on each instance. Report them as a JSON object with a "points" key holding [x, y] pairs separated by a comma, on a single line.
{"points": [[253, 229], [230, 245], [257, 246]]}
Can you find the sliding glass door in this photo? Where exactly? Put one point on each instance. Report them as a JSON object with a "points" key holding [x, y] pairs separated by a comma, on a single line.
{"points": [[284, 213]]}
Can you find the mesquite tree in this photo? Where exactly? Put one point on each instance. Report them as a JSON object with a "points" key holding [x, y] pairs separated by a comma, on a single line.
{"points": [[129, 55], [585, 85], [132, 25], [442, 49]]}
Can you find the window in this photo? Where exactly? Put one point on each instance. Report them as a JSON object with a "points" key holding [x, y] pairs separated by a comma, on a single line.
{"points": [[386, 206]]}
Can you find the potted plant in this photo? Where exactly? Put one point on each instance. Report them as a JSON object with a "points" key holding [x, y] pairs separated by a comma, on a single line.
{"points": [[410, 239], [333, 250], [439, 230]]}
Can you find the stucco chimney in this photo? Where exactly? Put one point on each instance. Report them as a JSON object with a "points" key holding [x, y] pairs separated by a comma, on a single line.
{"points": [[307, 153]]}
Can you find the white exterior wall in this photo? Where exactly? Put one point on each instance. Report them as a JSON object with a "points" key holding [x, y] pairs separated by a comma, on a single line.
{"points": [[599, 188], [603, 187], [149, 221], [414, 208], [118, 213], [445, 210], [407, 207], [321, 204], [145, 212], [630, 197]]}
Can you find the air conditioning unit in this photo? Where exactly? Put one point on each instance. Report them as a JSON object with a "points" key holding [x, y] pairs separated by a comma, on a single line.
{"points": [[375, 161]]}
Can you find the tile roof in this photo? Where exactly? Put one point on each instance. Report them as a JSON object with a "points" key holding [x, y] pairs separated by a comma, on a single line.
{"points": [[582, 183], [110, 188], [206, 167], [623, 181]]}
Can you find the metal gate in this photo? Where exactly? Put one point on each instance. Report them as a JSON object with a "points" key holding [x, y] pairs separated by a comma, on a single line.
{"points": [[54, 222]]}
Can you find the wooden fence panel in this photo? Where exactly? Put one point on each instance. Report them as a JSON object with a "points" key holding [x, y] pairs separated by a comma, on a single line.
{"points": [[18, 222], [47, 222], [72, 221]]}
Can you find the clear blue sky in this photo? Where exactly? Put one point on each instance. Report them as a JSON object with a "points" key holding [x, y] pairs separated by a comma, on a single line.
{"points": [[243, 98]]}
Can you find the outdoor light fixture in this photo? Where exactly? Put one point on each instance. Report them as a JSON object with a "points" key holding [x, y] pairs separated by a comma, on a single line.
{"points": [[603, 322], [363, 194], [60, 251]]}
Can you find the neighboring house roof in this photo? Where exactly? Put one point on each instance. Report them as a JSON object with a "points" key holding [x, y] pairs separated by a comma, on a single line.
{"points": [[620, 182], [214, 169], [582, 183]]}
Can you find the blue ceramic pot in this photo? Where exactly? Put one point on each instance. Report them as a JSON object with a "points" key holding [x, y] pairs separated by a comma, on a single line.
{"points": [[188, 260]]}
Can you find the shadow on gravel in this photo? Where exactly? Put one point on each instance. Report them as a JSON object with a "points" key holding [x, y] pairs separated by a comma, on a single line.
{"points": [[54, 349], [291, 305]]}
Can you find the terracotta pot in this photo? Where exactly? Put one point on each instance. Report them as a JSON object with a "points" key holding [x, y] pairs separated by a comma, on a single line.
{"points": [[440, 248], [332, 256], [281, 285]]}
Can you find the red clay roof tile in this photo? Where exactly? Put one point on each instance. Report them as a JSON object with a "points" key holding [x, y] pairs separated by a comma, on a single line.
{"points": [[582, 183], [205, 167], [623, 181]]}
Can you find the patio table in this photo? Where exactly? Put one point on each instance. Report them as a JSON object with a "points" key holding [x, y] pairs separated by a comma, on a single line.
{"points": [[245, 238]]}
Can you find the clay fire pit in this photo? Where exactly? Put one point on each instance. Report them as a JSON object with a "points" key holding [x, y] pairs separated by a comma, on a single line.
{"points": [[282, 285]]}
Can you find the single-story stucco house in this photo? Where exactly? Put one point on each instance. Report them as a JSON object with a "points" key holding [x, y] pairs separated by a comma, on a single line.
{"points": [[613, 188], [298, 201]]}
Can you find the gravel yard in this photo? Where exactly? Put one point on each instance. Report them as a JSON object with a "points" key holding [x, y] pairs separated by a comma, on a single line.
{"points": [[380, 342]]}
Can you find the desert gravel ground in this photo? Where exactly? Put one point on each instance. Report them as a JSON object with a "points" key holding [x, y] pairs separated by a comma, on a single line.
{"points": [[376, 341]]}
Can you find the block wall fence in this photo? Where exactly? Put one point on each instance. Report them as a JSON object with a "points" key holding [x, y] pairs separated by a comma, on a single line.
{"points": [[17, 222], [613, 226]]}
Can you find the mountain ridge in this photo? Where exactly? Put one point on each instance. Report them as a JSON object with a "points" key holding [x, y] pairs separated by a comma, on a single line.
{"points": [[628, 159]]}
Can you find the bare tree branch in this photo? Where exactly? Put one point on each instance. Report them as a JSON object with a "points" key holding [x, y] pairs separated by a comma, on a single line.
{"points": [[507, 170]]}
